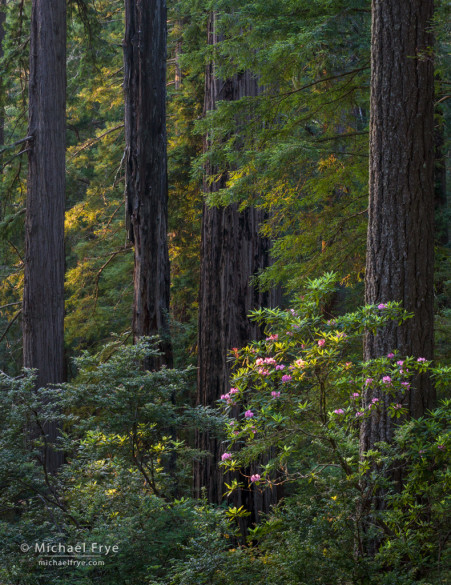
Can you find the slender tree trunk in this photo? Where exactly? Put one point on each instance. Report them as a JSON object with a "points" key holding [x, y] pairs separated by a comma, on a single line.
{"points": [[146, 168], [232, 251], [441, 193], [43, 297], [2, 113]]}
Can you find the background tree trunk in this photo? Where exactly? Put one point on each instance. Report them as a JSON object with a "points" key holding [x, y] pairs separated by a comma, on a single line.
{"points": [[146, 168], [232, 251], [43, 297], [400, 246], [2, 113]]}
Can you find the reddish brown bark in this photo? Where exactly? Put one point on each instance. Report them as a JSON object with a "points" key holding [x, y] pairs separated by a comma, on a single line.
{"points": [[146, 168], [43, 297], [232, 252], [400, 249]]}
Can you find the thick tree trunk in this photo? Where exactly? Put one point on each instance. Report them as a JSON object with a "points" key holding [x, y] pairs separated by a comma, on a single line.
{"points": [[146, 168], [232, 251], [43, 297], [400, 252]]}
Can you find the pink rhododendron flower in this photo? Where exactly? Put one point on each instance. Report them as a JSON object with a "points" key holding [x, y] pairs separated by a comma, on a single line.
{"points": [[248, 414], [406, 385], [348, 364], [368, 381], [321, 342], [226, 456], [275, 394], [233, 391], [375, 400], [269, 360], [355, 395], [280, 367], [397, 406], [300, 363], [225, 396], [287, 378], [386, 380], [390, 355], [259, 362], [339, 411], [421, 360], [273, 337], [232, 422], [400, 362], [358, 414], [382, 306], [255, 477]]}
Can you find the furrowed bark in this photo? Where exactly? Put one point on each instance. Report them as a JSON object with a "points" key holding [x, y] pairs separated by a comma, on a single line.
{"points": [[43, 297], [146, 169]]}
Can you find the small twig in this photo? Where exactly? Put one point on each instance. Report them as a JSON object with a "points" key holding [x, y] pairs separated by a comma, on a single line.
{"points": [[92, 141], [102, 268], [323, 80], [26, 139], [10, 305], [12, 245], [15, 156], [443, 99], [10, 324]]}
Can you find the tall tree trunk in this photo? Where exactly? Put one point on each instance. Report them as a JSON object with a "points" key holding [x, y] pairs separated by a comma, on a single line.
{"points": [[2, 113], [400, 245], [232, 251], [146, 168], [43, 297]]}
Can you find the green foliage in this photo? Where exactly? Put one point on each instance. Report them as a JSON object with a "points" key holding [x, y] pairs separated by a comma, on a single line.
{"points": [[303, 394], [126, 477]]}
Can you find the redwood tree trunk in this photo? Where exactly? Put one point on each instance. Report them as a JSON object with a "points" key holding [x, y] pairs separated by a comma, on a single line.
{"points": [[146, 168], [232, 251], [2, 114], [43, 297], [400, 248]]}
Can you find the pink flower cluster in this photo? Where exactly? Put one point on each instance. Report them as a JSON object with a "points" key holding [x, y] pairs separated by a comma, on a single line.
{"points": [[226, 456], [248, 414], [287, 378], [321, 342], [275, 394], [255, 477], [228, 397], [273, 337], [339, 411], [262, 361], [263, 371], [382, 306], [280, 367]]}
